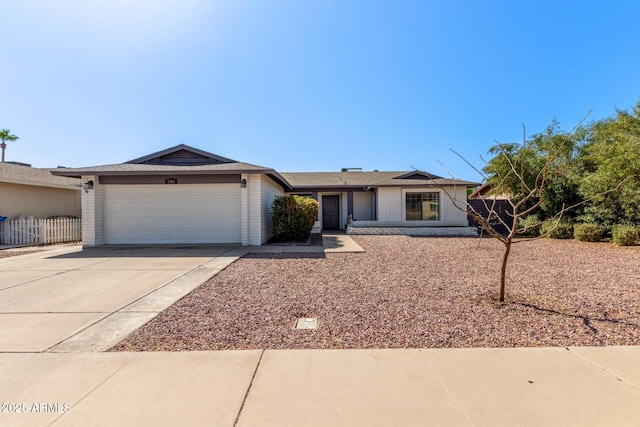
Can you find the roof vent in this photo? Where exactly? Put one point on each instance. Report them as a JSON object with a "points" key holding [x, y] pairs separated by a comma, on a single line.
{"points": [[351, 170]]}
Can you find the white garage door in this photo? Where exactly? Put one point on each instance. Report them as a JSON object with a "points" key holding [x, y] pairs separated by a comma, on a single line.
{"points": [[193, 213]]}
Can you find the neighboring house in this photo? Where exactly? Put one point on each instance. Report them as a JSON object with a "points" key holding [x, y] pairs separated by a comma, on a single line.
{"points": [[36, 192], [186, 195], [491, 205]]}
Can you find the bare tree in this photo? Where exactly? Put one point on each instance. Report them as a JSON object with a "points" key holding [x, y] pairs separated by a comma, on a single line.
{"points": [[523, 179]]}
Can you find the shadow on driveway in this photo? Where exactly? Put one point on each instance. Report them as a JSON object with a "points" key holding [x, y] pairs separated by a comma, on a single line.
{"points": [[149, 251]]}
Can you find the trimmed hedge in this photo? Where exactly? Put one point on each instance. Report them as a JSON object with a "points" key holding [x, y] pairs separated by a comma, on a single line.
{"points": [[557, 230], [588, 232], [293, 217], [624, 235]]}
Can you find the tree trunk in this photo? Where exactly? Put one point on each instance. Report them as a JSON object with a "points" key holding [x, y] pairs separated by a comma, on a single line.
{"points": [[503, 269], [3, 146]]}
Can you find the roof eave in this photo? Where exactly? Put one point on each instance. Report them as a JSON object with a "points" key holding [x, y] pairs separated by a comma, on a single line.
{"points": [[88, 172], [69, 186]]}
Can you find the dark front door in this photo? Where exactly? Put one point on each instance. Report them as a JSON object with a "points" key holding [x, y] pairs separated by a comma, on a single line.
{"points": [[330, 212]]}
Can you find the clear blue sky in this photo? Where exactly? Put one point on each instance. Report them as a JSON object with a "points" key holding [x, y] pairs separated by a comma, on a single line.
{"points": [[302, 85]]}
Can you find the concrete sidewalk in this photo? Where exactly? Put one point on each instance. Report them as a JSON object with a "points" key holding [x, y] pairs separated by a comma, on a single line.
{"points": [[440, 387]]}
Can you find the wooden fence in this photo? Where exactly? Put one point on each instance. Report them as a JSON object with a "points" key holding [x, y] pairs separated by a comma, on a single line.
{"points": [[30, 231]]}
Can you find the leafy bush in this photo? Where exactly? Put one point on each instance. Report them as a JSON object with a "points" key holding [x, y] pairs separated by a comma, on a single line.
{"points": [[529, 226], [294, 217], [588, 232], [557, 230], [624, 235]]}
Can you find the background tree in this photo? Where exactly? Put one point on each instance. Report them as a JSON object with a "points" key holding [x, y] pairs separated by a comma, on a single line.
{"points": [[611, 154], [552, 150], [5, 135]]}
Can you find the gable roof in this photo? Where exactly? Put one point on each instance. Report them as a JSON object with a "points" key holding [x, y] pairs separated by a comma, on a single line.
{"points": [[26, 175], [419, 175], [179, 160], [485, 191], [181, 155]]}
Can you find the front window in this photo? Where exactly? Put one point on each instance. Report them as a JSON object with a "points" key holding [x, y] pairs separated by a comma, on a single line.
{"points": [[423, 206]]}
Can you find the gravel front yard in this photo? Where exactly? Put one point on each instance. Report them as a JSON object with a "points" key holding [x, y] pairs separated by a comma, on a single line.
{"points": [[409, 292]]}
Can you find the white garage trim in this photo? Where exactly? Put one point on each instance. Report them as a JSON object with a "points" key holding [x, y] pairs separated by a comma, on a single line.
{"points": [[189, 213]]}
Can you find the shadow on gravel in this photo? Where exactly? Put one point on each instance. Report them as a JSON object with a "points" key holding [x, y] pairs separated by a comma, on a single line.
{"points": [[586, 320]]}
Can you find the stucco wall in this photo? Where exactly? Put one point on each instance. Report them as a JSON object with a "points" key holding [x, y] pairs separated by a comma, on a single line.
{"points": [[37, 201]]}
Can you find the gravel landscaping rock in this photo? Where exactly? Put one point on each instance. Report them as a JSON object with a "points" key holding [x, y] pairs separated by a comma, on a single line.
{"points": [[409, 292], [6, 253]]}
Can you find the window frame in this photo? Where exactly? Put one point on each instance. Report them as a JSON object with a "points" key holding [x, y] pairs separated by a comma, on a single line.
{"points": [[426, 198]]}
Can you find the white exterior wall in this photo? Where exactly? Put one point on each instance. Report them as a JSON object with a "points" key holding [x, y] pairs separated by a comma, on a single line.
{"points": [[260, 194], [392, 206], [244, 211], [254, 216], [93, 213], [269, 191], [449, 212]]}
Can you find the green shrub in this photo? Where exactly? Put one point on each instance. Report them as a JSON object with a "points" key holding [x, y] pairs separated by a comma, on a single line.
{"points": [[557, 230], [588, 232], [294, 217], [529, 226], [624, 235]]}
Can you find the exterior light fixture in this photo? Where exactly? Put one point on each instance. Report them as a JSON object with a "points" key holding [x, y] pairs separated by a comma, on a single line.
{"points": [[88, 185], [243, 183]]}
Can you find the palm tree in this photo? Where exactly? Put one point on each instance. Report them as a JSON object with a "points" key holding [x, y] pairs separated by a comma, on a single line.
{"points": [[6, 136]]}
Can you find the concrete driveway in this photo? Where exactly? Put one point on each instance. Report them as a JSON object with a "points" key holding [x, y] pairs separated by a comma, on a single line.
{"points": [[66, 299]]}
